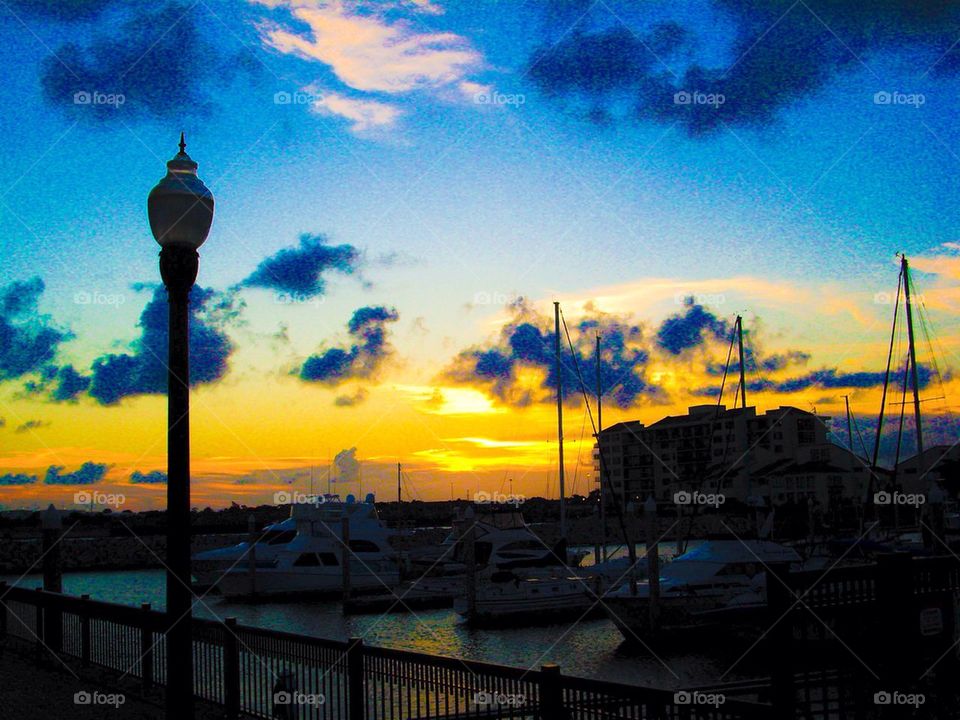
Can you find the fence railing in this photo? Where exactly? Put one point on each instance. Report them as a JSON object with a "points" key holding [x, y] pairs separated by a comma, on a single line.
{"points": [[273, 674]]}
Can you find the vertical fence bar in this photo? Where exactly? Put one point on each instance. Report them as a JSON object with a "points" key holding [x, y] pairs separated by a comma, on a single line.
{"points": [[551, 693], [231, 668]]}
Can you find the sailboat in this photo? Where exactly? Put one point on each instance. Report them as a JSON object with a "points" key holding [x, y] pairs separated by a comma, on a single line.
{"points": [[547, 594]]}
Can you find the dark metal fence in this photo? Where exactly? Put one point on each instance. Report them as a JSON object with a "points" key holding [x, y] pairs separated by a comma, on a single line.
{"points": [[273, 674]]}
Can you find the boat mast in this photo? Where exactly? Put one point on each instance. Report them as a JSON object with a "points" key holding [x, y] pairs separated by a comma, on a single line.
{"points": [[913, 363], [399, 498], [846, 399], [743, 383], [563, 512], [603, 511]]}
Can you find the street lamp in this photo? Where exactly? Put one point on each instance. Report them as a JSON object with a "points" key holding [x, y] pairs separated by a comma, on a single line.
{"points": [[180, 209]]}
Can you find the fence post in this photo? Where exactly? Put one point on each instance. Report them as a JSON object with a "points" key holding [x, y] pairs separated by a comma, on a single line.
{"points": [[780, 639], [551, 693], [85, 630], [146, 648], [355, 684], [897, 611], [231, 669], [51, 529], [38, 656], [4, 588]]}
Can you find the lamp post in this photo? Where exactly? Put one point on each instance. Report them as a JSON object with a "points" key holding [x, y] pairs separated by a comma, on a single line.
{"points": [[180, 209]]}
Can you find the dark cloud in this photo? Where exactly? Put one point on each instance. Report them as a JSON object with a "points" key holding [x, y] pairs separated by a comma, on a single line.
{"points": [[689, 328], [27, 339], [154, 477], [160, 63], [61, 384], [528, 341], [938, 429], [777, 52], [368, 328], [70, 383], [350, 400], [144, 371], [87, 474], [299, 271], [347, 465], [31, 425], [826, 378], [17, 479]]}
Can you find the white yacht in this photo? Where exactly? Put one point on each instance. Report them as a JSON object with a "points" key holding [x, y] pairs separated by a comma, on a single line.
{"points": [[311, 561], [210, 565], [697, 587], [502, 540]]}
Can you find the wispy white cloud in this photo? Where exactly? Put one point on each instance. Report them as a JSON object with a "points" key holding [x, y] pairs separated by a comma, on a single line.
{"points": [[364, 115], [369, 52]]}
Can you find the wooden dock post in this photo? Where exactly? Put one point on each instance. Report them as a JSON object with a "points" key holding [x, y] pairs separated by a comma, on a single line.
{"points": [[779, 640], [252, 553], [470, 560], [345, 559], [51, 530], [653, 563]]}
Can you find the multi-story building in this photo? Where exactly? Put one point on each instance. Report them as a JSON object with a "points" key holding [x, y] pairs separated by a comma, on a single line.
{"points": [[781, 455]]}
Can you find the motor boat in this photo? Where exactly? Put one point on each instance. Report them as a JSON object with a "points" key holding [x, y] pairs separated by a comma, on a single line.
{"points": [[312, 560], [210, 565], [700, 588]]}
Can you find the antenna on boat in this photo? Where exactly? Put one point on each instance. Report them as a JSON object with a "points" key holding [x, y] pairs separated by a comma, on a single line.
{"points": [[556, 322]]}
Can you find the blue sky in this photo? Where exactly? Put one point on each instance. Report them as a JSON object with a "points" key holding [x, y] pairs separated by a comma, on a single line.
{"points": [[472, 154]]}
